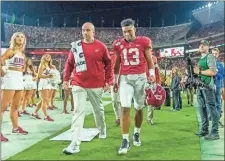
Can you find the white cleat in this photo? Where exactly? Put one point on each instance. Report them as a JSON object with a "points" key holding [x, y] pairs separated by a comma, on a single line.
{"points": [[102, 136], [150, 122], [69, 150], [125, 147], [136, 139]]}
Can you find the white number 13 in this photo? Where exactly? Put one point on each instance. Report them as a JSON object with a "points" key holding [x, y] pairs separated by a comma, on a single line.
{"points": [[135, 56]]}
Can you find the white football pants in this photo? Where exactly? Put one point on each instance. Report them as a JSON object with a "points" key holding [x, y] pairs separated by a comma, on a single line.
{"points": [[115, 102]]}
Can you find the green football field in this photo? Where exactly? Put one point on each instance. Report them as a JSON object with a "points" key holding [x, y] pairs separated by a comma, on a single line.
{"points": [[170, 138]]}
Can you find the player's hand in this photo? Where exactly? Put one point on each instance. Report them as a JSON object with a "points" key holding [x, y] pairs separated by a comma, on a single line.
{"points": [[116, 87], [106, 87], [66, 85], [151, 79]]}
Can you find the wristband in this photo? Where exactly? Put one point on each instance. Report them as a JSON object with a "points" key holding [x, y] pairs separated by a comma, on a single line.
{"points": [[116, 78], [152, 72]]}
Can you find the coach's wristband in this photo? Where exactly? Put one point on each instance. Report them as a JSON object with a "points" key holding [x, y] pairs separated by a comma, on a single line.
{"points": [[116, 78], [152, 72]]}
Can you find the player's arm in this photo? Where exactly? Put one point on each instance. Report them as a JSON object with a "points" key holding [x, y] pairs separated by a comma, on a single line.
{"points": [[8, 54], [148, 57], [117, 67]]}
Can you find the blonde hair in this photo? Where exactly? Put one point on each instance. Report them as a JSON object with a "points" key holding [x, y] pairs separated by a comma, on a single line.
{"points": [[216, 49], [13, 44], [43, 61]]}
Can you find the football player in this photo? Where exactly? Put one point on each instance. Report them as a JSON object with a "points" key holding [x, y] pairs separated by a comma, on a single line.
{"points": [[133, 54], [115, 96]]}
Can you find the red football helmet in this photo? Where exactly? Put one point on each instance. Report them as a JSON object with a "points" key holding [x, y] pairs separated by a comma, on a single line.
{"points": [[155, 95]]}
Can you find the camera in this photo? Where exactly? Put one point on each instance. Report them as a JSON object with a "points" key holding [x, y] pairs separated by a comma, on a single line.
{"points": [[193, 79]]}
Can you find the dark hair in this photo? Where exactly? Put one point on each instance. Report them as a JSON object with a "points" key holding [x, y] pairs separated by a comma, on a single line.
{"points": [[29, 66], [127, 22]]}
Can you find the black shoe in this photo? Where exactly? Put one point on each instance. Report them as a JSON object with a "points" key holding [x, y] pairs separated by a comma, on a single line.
{"points": [[212, 137], [202, 133], [136, 139], [125, 147]]}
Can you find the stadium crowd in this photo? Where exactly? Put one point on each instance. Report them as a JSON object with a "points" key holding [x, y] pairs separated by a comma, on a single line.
{"points": [[108, 35]]}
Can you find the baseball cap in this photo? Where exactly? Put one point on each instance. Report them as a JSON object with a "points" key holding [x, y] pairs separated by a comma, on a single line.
{"points": [[205, 42]]}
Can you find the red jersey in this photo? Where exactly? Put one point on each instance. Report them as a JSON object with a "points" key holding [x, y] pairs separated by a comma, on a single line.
{"points": [[113, 62], [132, 54], [98, 62]]}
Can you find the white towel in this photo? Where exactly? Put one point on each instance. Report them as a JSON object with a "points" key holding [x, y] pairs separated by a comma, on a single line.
{"points": [[78, 56]]}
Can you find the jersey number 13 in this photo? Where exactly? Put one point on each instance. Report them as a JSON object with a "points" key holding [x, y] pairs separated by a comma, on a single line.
{"points": [[135, 53]]}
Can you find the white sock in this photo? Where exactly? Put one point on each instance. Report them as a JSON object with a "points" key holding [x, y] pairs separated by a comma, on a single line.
{"points": [[126, 136], [137, 130]]}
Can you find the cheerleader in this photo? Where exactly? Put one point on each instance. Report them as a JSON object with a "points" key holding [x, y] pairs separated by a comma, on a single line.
{"points": [[44, 87], [34, 87], [67, 94], [12, 82], [28, 85], [55, 81]]}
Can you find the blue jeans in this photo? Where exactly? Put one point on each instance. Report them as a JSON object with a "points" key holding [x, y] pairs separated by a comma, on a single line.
{"points": [[219, 101], [176, 99], [207, 103]]}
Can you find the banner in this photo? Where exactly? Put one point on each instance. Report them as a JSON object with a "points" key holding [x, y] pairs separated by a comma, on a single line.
{"points": [[41, 52], [172, 52]]}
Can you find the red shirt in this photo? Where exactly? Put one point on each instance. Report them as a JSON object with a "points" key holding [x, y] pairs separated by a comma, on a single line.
{"points": [[98, 64], [132, 54], [113, 62]]}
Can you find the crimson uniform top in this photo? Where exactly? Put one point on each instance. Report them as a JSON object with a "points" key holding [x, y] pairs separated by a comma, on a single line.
{"points": [[98, 64], [113, 62], [132, 54]]}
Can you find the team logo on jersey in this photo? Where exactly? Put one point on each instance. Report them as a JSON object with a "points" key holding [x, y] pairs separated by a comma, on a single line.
{"points": [[118, 43], [158, 97]]}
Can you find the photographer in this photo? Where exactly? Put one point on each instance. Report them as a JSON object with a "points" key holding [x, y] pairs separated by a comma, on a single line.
{"points": [[206, 97]]}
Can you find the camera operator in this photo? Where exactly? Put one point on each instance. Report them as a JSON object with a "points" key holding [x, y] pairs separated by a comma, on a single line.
{"points": [[206, 97]]}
